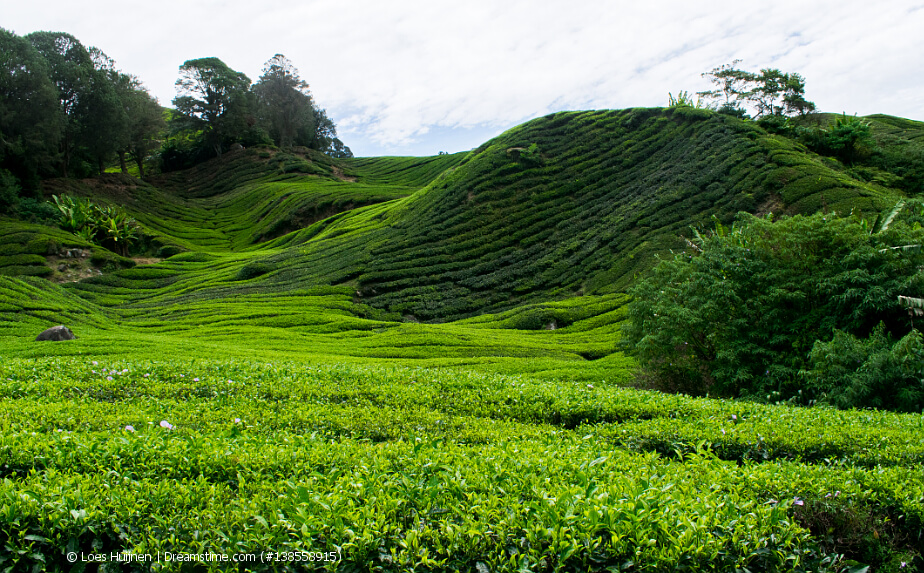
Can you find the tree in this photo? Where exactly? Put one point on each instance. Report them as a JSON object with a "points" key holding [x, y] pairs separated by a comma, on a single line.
{"points": [[30, 122], [739, 314], [324, 138], [145, 121], [70, 67], [284, 101], [103, 120], [770, 92], [214, 98], [730, 83]]}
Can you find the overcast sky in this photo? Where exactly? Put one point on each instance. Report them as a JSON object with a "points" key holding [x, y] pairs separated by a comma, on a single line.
{"points": [[414, 77]]}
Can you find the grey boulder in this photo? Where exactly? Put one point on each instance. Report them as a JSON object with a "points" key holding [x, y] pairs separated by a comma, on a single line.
{"points": [[59, 332]]}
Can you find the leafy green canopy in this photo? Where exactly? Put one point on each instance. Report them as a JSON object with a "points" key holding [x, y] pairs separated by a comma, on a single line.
{"points": [[30, 125], [213, 97], [738, 314], [218, 107], [769, 93]]}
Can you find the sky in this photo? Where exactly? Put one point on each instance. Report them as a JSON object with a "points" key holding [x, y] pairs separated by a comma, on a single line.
{"points": [[416, 77]]}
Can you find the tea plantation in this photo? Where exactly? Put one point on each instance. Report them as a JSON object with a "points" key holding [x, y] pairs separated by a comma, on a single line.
{"points": [[414, 364]]}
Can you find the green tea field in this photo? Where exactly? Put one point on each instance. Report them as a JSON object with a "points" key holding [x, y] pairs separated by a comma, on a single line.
{"points": [[417, 364]]}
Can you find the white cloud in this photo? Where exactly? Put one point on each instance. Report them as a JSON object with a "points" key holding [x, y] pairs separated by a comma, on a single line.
{"points": [[390, 73]]}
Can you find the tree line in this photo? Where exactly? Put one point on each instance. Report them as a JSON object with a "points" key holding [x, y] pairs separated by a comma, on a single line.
{"points": [[67, 111]]}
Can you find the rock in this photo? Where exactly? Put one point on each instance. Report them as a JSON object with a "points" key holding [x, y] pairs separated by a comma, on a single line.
{"points": [[56, 333]]}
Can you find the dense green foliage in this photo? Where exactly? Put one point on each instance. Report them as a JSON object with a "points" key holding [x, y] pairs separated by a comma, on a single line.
{"points": [[872, 372], [66, 109], [30, 126], [96, 224], [218, 108], [739, 313], [848, 138], [881, 149]]}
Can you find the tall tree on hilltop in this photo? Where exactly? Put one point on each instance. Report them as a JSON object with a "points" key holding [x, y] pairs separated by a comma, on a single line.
{"points": [[770, 92], [286, 107], [214, 98]]}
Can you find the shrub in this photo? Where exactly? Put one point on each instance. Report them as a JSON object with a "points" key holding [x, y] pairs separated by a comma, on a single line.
{"points": [[96, 224], [738, 314], [252, 270], [167, 251], [874, 372], [30, 209], [848, 138]]}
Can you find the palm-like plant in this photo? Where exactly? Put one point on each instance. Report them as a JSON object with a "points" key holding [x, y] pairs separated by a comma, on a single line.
{"points": [[74, 213], [95, 223]]}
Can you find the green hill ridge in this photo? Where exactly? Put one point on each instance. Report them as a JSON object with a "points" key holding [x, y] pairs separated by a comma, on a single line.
{"points": [[459, 235]]}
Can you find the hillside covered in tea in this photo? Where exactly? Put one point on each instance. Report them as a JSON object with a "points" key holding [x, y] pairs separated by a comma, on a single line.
{"points": [[418, 363]]}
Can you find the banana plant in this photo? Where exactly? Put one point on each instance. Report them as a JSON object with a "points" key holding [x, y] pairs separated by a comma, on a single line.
{"points": [[75, 214], [118, 228], [96, 223]]}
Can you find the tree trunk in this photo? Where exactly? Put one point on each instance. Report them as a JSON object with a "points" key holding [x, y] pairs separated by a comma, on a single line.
{"points": [[67, 153], [122, 161], [140, 161]]}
